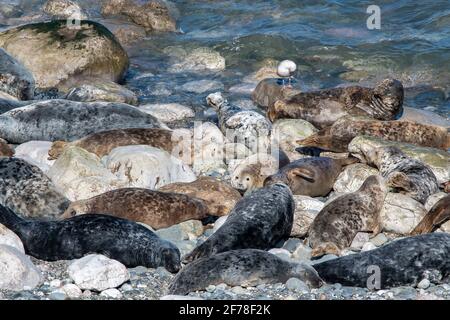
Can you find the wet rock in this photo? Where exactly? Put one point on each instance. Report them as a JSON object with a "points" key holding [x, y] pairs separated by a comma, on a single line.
{"points": [[17, 272], [36, 153], [102, 91], [126, 33], [63, 9], [306, 209], [61, 55], [9, 238], [270, 90], [202, 86], [97, 272], [352, 177], [168, 112], [424, 117], [15, 79], [197, 60]]}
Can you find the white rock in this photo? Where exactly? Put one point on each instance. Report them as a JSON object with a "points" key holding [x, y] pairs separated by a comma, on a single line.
{"points": [[9, 238], [297, 285], [71, 290], [401, 214], [306, 209], [281, 253], [379, 239], [360, 239], [202, 86], [111, 293], [35, 152], [423, 284], [168, 112], [55, 283], [97, 272], [352, 177], [17, 272], [147, 167], [368, 246], [176, 297], [239, 290]]}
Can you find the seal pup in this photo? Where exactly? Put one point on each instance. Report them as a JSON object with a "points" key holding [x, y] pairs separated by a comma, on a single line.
{"points": [[435, 218], [57, 119], [5, 149], [337, 137], [312, 177], [323, 108], [403, 262], [337, 224], [219, 196], [28, 191], [154, 208], [245, 267], [403, 173], [102, 143], [258, 221], [125, 241]]}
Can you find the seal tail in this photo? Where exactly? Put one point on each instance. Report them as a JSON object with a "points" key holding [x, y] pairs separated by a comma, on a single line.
{"points": [[10, 219], [56, 150]]}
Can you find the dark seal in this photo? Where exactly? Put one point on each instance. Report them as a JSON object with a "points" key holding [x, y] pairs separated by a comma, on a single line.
{"points": [[435, 218], [403, 262], [119, 239], [258, 221]]}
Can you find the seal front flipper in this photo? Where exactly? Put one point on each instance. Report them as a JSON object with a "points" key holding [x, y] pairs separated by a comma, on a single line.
{"points": [[304, 173]]}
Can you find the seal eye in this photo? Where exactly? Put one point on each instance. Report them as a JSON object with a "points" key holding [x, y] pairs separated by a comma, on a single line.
{"points": [[248, 179]]}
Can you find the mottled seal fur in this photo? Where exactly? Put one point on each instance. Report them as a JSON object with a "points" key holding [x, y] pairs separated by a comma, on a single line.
{"points": [[154, 208], [247, 268], [323, 108], [5, 149], [337, 137], [125, 241], [403, 262], [337, 224], [66, 120], [435, 218], [28, 191], [258, 221], [101, 143], [403, 173], [312, 177], [219, 196]]}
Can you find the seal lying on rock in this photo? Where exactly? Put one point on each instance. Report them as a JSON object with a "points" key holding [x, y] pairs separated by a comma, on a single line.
{"points": [[337, 224], [258, 221], [102, 143], [312, 177], [119, 239], [69, 120], [247, 268], [28, 191], [154, 208], [404, 174], [337, 137], [323, 108], [403, 262], [435, 218]]}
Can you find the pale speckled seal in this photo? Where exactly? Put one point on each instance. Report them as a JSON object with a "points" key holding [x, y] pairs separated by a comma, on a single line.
{"points": [[323, 108], [312, 177], [435, 218], [56, 119], [404, 174], [154, 208], [258, 221], [246, 267], [402, 262], [337, 137], [339, 221], [28, 191], [101, 143], [119, 239]]}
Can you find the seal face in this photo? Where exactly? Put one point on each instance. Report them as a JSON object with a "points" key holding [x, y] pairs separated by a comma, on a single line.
{"points": [[27, 190], [154, 208], [247, 267], [404, 174], [312, 177], [323, 108], [402, 262], [219, 197], [102, 143], [435, 218], [119, 239], [258, 221], [337, 137], [338, 222]]}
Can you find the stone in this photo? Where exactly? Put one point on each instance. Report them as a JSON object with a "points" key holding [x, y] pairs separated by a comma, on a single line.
{"points": [[202, 86], [111, 293], [219, 222], [306, 209], [176, 297], [102, 91], [64, 9], [270, 90], [379, 239], [281, 253], [9, 238], [126, 33], [36, 153], [57, 295], [97, 272], [15, 80], [71, 290], [239, 290], [55, 283], [147, 167], [368, 246], [424, 117], [193, 228], [352, 177], [198, 60], [424, 284], [61, 55], [17, 272], [436, 159], [168, 112], [297, 285], [211, 288], [360, 239], [302, 253], [401, 214], [292, 244], [152, 15]]}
